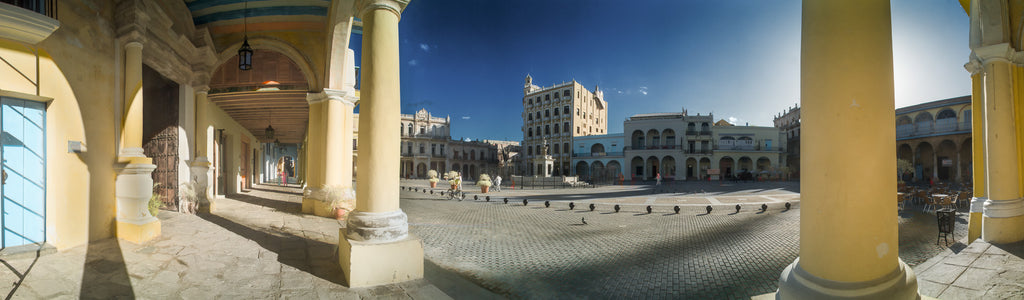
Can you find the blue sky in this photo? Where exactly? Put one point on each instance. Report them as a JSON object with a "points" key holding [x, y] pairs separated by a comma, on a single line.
{"points": [[737, 59]]}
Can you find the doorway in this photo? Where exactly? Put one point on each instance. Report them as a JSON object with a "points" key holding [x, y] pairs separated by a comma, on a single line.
{"points": [[23, 208]]}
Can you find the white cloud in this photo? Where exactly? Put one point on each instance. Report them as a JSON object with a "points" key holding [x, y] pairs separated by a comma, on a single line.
{"points": [[735, 121], [643, 90], [424, 47], [465, 117], [413, 62]]}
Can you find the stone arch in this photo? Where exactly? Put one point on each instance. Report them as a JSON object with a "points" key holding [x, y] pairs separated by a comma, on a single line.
{"points": [[582, 171], [745, 164], [692, 168], [637, 139], [267, 43], [923, 117], [653, 138], [421, 170], [614, 169], [597, 149], [704, 165], [904, 120], [726, 165], [905, 152], [764, 164], [924, 161], [668, 167], [946, 157], [945, 114], [597, 171], [668, 137], [966, 157], [652, 167], [636, 167]]}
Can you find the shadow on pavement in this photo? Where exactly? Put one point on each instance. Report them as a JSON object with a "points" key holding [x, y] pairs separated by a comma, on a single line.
{"points": [[295, 251], [105, 275], [282, 206], [277, 191]]}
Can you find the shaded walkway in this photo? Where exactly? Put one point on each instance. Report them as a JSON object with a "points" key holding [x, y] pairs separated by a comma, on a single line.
{"points": [[254, 246]]}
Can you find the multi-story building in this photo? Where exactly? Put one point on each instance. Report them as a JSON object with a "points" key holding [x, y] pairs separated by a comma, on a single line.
{"points": [[741, 150], [789, 122], [935, 137], [552, 117], [507, 156], [660, 143], [427, 145]]}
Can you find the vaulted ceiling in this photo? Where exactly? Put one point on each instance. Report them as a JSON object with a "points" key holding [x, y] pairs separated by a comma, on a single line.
{"points": [[227, 20]]}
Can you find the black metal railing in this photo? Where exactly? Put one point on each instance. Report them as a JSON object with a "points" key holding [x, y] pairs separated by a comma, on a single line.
{"points": [[44, 7]]}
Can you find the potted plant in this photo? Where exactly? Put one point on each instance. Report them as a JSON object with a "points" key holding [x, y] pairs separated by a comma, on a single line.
{"points": [[484, 183], [154, 201], [433, 178], [452, 178]]}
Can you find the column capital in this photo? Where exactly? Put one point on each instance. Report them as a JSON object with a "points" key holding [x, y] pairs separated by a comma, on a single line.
{"points": [[993, 53], [366, 6], [974, 66], [343, 96], [202, 89]]}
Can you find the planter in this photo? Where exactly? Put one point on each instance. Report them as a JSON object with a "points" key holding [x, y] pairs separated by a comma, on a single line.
{"points": [[453, 186], [433, 184], [484, 189]]}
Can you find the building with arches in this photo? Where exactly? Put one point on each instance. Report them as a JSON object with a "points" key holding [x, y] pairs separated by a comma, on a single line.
{"points": [[427, 145], [110, 96], [935, 137], [598, 158], [671, 144], [750, 150], [552, 117]]}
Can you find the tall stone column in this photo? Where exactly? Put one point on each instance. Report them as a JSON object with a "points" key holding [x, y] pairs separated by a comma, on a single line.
{"points": [[315, 154], [375, 247], [977, 151], [200, 167], [849, 242], [134, 183], [1003, 213]]}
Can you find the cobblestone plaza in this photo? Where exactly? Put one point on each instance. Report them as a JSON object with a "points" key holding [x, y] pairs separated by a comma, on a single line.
{"points": [[257, 245]]}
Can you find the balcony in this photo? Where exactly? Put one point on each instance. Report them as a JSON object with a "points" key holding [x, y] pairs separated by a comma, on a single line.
{"points": [[692, 132], [653, 147], [596, 154], [746, 148], [701, 151], [921, 129]]}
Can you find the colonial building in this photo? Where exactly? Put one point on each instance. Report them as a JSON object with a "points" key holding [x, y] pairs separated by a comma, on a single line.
{"points": [[935, 137], [552, 117], [427, 145], [750, 150], [789, 122], [598, 158], [660, 143]]}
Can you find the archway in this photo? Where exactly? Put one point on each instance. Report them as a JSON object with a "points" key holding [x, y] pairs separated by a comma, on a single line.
{"points": [[597, 172], [705, 164], [472, 172], [924, 161], [597, 149], [636, 165], [652, 167], [966, 161], [614, 170], [668, 167], [923, 123], [582, 171], [763, 164], [456, 168], [653, 139], [637, 140], [669, 137], [745, 164], [946, 159], [421, 170], [725, 165], [691, 167]]}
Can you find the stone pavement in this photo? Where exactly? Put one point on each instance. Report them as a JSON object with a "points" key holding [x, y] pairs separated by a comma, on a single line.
{"points": [[256, 245], [978, 271], [536, 252]]}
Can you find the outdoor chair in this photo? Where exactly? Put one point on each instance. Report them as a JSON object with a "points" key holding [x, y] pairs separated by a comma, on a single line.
{"points": [[921, 196], [900, 200], [947, 202], [964, 198], [929, 203]]}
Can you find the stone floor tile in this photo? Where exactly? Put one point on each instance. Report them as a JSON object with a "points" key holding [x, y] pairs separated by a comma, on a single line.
{"points": [[977, 279], [931, 289], [943, 273], [962, 259], [954, 292]]}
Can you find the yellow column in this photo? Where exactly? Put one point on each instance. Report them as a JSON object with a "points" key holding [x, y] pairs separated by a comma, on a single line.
{"points": [[314, 153], [338, 142], [849, 242], [134, 182], [977, 151], [1003, 213], [375, 247], [200, 166]]}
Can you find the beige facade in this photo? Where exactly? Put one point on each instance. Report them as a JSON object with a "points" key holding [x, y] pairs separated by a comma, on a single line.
{"points": [[753, 150], [673, 145], [552, 116], [789, 122], [427, 145], [935, 137]]}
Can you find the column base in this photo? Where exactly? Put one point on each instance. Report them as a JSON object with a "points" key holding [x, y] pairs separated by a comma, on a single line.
{"points": [[796, 283], [138, 233], [317, 207], [368, 264], [974, 220], [1003, 221]]}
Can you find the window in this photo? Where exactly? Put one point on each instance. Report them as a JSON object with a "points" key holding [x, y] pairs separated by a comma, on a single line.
{"points": [[556, 112], [565, 126], [565, 109], [530, 101], [408, 148], [547, 129], [433, 149], [547, 97], [577, 111], [410, 131], [401, 129], [547, 113], [529, 117], [472, 154], [555, 149], [529, 150], [538, 115], [422, 150], [566, 93], [423, 130], [538, 130], [538, 150], [566, 147], [442, 149], [577, 130], [556, 95], [556, 128], [529, 132]]}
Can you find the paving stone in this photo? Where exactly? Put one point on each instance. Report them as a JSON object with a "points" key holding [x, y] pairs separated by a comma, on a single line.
{"points": [[955, 292], [974, 278], [930, 289]]}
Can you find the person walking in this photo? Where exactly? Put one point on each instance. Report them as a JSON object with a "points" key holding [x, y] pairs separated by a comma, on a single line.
{"points": [[657, 178], [497, 183]]}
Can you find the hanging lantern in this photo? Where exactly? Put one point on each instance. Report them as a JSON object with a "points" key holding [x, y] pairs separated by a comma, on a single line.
{"points": [[245, 56], [269, 132]]}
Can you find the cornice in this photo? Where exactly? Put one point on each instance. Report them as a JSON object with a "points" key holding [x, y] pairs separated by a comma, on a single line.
{"points": [[25, 26], [394, 6]]}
